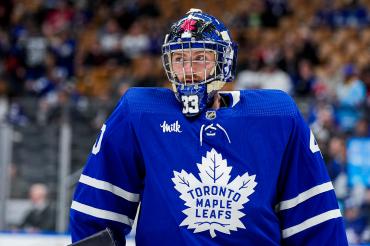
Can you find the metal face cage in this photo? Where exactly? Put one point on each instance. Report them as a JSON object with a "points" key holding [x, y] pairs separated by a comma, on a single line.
{"points": [[190, 62]]}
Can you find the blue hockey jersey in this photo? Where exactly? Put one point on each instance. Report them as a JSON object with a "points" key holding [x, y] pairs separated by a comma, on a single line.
{"points": [[247, 174]]}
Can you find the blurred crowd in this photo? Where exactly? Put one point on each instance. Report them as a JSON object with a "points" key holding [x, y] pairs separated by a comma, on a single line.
{"points": [[63, 51]]}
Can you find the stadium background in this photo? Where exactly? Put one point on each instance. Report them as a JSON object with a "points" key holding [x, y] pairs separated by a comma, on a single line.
{"points": [[64, 64]]}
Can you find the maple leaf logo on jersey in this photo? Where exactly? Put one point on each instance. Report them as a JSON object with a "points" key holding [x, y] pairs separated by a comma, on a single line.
{"points": [[213, 203]]}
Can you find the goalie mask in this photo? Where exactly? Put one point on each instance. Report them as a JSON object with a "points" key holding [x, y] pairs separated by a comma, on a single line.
{"points": [[199, 58]]}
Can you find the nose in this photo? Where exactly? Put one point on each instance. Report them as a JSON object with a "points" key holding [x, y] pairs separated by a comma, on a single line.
{"points": [[188, 68], [188, 72]]}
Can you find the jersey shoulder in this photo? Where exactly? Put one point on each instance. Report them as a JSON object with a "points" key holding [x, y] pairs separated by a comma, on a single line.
{"points": [[267, 103], [252, 102], [150, 100]]}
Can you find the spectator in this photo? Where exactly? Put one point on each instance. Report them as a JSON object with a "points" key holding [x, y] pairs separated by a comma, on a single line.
{"points": [[350, 96], [274, 78], [41, 217], [63, 46], [288, 60], [269, 77], [35, 47], [352, 14], [94, 55], [362, 128], [322, 122], [136, 41], [328, 78], [59, 17], [304, 81], [337, 158], [355, 221], [109, 37]]}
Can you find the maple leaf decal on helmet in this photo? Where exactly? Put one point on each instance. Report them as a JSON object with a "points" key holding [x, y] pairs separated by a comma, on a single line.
{"points": [[188, 25]]}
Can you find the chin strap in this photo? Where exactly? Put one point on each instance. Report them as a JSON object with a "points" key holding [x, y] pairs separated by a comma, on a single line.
{"points": [[211, 86], [215, 86]]}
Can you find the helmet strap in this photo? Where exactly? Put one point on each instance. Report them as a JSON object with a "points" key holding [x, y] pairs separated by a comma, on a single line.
{"points": [[215, 86]]}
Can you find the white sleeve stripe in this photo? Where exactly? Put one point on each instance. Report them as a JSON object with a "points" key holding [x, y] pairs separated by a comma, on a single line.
{"points": [[103, 185], [101, 213], [287, 204], [332, 214]]}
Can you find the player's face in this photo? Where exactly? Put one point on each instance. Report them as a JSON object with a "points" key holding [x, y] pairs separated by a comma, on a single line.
{"points": [[193, 66]]}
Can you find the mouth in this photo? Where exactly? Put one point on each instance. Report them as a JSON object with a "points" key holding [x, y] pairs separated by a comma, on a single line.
{"points": [[193, 80]]}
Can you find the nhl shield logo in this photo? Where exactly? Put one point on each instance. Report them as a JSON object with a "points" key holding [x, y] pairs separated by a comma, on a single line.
{"points": [[211, 115], [213, 202]]}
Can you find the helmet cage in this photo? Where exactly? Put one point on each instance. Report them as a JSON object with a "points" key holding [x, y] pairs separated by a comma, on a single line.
{"points": [[193, 86], [224, 59]]}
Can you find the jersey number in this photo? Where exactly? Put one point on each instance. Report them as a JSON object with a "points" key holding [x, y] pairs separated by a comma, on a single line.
{"points": [[97, 144], [313, 144], [190, 104]]}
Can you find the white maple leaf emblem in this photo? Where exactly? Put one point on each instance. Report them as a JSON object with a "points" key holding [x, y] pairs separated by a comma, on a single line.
{"points": [[213, 203]]}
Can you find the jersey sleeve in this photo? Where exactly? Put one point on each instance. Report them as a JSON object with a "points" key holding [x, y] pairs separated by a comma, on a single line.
{"points": [[108, 192], [307, 204]]}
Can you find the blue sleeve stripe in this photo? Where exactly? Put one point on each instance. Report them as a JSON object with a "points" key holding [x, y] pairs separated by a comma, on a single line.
{"points": [[103, 185], [331, 214], [314, 191], [101, 213]]}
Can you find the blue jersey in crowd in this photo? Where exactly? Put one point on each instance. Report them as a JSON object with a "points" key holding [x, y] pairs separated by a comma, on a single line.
{"points": [[247, 174]]}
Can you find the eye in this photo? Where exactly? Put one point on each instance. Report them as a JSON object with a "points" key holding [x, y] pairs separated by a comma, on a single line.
{"points": [[178, 59], [199, 58]]}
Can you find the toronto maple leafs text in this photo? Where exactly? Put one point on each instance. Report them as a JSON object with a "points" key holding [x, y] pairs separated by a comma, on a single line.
{"points": [[214, 208]]}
